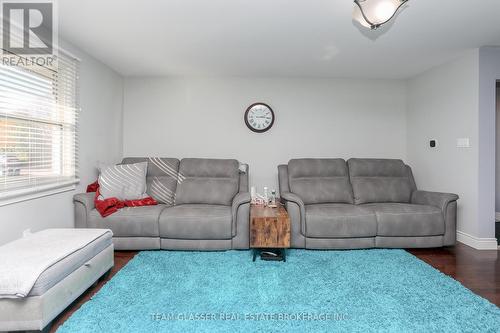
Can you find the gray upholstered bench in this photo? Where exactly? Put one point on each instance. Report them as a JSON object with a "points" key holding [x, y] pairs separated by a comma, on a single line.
{"points": [[81, 257]]}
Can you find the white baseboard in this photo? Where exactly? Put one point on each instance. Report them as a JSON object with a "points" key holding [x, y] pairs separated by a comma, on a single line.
{"points": [[497, 216], [477, 243]]}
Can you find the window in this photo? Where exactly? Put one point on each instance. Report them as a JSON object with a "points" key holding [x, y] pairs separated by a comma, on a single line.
{"points": [[38, 119]]}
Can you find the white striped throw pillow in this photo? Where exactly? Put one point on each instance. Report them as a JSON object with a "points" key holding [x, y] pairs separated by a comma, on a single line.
{"points": [[123, 181]]}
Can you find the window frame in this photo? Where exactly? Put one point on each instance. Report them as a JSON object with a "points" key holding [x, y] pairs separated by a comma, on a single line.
{"points": [[59, 183]]}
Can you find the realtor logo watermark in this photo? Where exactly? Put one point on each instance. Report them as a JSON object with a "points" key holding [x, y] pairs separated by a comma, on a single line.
{"points": [[28, 32], [255, 316]]}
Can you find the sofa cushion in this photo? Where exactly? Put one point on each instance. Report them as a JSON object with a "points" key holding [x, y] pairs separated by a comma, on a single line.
{"points": [[380, 180], [318, 181], [207, 181], [196, 221], [339, 221], [396, 219], [129, 221], [161, 177]]}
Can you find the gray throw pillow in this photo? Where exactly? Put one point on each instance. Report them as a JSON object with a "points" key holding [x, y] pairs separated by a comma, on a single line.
{"points": [[123, 181]]}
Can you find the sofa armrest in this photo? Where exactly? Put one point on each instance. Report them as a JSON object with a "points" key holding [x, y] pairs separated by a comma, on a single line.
{"points": [[289, 197], [240, 199], [84, 204], [283, 178], [447, 202], [436, 199], [241, 221]]}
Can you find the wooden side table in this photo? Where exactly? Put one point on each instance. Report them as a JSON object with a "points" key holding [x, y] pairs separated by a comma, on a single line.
{"points": [[269, 229]]}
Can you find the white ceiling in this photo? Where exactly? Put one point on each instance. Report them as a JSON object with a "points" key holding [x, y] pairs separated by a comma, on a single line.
{"points": [[312, 38]]}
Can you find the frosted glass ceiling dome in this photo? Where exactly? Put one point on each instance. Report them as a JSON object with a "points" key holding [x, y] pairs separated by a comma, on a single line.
{"points": [[373, 13]]}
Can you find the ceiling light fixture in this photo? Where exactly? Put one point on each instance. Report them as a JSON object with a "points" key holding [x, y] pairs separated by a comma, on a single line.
{"points": [[373, 13]]}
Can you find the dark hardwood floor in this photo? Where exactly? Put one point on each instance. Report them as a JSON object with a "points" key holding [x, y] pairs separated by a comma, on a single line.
{"points": [[477, 270]]}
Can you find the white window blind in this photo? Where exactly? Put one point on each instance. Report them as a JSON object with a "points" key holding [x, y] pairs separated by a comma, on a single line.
{"points": [[38, 120]]}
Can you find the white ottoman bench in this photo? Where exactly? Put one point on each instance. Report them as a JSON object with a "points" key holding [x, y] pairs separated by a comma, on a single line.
{"points": [[44, 272]]}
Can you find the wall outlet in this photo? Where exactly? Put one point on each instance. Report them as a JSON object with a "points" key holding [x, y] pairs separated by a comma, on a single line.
{"points": [[463, 143]]}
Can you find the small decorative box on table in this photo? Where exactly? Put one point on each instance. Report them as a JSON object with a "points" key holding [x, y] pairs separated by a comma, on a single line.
{"points": [[269, 232]]}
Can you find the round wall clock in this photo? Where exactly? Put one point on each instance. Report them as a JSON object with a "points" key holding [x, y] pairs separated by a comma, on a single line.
{"points": [[259, 117]]}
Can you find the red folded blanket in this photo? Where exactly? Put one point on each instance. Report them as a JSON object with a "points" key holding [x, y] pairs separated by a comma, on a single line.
{"points": [[108, 206]]}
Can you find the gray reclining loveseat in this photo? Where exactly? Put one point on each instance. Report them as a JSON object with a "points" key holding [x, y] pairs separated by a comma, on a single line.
{"points": [[204, 204], [363, 203]]}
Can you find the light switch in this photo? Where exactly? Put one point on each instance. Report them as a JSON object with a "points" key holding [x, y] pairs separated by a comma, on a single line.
{"points": [[463, 143]]}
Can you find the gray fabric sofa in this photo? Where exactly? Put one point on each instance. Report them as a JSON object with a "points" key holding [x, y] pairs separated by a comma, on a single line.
{"points": [[204, 204], [363, 203]]}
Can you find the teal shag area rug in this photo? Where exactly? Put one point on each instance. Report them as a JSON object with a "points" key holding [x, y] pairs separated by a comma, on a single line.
{"points": [[314, 291]]}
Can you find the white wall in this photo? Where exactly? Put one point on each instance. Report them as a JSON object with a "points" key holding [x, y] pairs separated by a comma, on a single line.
{"points": [[100, 131], [443, 105], [194, 117], [457, 100]]}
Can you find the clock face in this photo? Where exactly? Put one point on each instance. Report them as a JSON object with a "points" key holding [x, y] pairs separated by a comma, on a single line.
{"points": [[259, 117]]}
